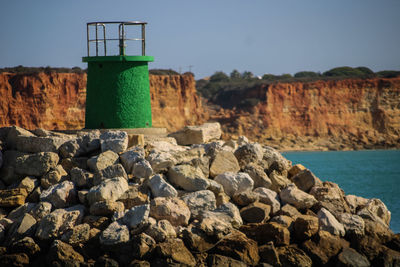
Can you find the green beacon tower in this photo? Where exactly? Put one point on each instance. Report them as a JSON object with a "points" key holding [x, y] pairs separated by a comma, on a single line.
{"points": [[118, 89]]}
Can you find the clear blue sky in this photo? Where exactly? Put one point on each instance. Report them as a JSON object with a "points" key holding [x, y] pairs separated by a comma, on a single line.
{"points": [[261, 36]]}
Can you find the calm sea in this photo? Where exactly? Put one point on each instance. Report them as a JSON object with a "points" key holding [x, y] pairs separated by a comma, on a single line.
{"points": [[370, 174]]}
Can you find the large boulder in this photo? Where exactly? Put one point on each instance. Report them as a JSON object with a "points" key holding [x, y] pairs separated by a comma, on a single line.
{"points": [[198, 134], [102, 161], [249, 153], [36, 164], [199, 202], [256, 212], [234, 183], [224, 161], [331, 197], [305, 179], [34, 144], [269, 197], [188, 178], [296, 197], [305, 226], [160, 188], [258, 175], [353, 224], [329, 223], [375, 210], [176, 250], [60, 195], [111, 189], [116, 141], [136, 216], [174, 210], [350, 257], [114, 234]]}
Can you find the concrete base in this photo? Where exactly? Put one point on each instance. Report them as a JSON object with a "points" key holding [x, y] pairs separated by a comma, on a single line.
{"points": [[144, 131]]}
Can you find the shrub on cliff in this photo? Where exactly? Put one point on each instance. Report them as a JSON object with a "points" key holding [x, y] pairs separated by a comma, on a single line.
{"points": [[388, 74], [359, 72], [307, 74], [163, 72]]}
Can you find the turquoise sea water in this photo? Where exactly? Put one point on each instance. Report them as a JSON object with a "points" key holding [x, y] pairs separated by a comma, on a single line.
{"points": [[370, 174]]}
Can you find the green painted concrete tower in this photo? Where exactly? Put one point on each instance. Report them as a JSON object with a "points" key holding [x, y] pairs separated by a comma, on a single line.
{"points": [[118, 89]]}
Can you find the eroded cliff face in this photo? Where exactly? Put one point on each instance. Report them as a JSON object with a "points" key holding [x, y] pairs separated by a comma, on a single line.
{"points": [[332, 114], [57, 101]]}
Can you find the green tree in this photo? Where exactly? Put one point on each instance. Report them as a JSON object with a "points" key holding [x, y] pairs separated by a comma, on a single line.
{"points": [[269, 77], [235, 74], [219, 76], [343, 72], [307, 74], [247, 75]]}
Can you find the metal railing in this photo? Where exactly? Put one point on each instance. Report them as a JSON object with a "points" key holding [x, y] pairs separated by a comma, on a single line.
{"points": [[121, 36]]}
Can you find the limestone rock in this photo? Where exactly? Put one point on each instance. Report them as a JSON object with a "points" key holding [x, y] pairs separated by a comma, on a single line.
{"points": [[329, 223], [224, 161], [172, 209], [375, 208], [227, 213], [283, 220], [136, 216], [41, 210], [79, 234], [25, 245], [102, 161], [305, 226], [114, 234], [353, 224], [134, 196], [21, 229], [249, 153], [161, 162], [17, 213], [130, 157], [275, 160], [12, 197], [293, 256], [235, 183], [34, 144], [81, 177], [62, 253], [176, 250], [161, 230], [12, 135], [28, 183], [116, 141], [17, 259], [110, 189], [198, 134], [331, 197], [199, 202], [301, 200], [350, 257], [268, 254], [355, 203], [305, 179], [258, 175], [113, 171], [245, 198], [54, 176], [278, 181], [160, 188], [255, 213], [60, 195], [36, 164], [295, 169], [219, 260], [106, 208], [142, 169], [269, 197], [143, 244], [188, 178]]}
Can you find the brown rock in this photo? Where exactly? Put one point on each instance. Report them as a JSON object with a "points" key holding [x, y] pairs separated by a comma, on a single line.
{"points": [[106, 208], [245, 198], [18, 259], [98, 222], [63, 253], [12, 197], [176, 250], [219, 260], [289, 210], [295, 170], [174, 210], [256, 212], [268, 254], [293, 256], [266, 232], [305, 227], [134, 196], [305, 179], [351, 258], [224, 161], [331, 197]]}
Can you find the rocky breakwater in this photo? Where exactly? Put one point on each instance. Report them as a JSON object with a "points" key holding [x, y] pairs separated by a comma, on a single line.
{"points": [[193, 200]]}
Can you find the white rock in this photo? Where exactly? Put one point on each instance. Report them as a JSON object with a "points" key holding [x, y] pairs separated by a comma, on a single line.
{"points": [[328, 222], [114, 234], [355, 202], [136, 216], [296, 197], [227, 213], [200, 201], [235, 182], [267, 196], [41, 210], [81, 177], [116, 141], [224, 161], [161, 161], [258, 175], [130, 157], [142, 169], [102, 161], [188, 177], [352, 223], [198, 134], [161, 230], [36, 164], [60, 195], [249, 153], [160, 188], [36, 144], [377, 209], [110, 189], [172, 209]]}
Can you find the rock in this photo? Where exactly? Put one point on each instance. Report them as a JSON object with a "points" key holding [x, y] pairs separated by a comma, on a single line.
{"points": [[255, 213], [160, 188], [102, 161], [21, 229], [134, 196], [81, 177], [331, 197], [295, 170], [268, 254], [289, 210], [305, 179], [34, 197], [25, 245], [351, 258], [106, 208], [161, 230], [82, 196], [353, 224], [17, 213], [176, 250], [161, 162], [106, 261], [375, 208], [136, 216], [56, 223], [293, 256], [114, 234], [275, 160], [28, 183], [188, 178], [237, 246], [18, 259], [249, 153], [301, 200], [111, 189], [142, 169], [36, 164], [198, 134], [283, 220], [63, 254], [1, 159], [278, 181], [355, 203], [172, 209], [268, 197], [199, 202], [329, 223], [215, 187], [70, 148], [8, 172], [227, 212], [266, 232], [112, 171], [116, 141], [54, 176], [12, 197], [143, 245], [221, 198], [245, 198], [34, 144], [219, 260], [235, 183], [79, 234], [70, 163], [196, 239], [12, 135], [41, 210], [224, 161], [60, 195], [305, 226], [377, 230], [130, 157], [258, 175], [98, 222]]}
